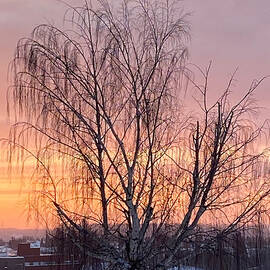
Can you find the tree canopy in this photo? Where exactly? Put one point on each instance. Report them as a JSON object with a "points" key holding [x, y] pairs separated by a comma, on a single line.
{"points": [[112, 144]]}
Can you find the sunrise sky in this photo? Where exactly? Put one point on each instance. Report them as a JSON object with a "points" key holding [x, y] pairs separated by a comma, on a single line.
{"points": [[233, 33]]}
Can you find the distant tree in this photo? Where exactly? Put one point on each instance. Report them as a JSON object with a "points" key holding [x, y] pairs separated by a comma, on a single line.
{"points": [[62, 240], [15, 241], [2, 242], [102, 118]]}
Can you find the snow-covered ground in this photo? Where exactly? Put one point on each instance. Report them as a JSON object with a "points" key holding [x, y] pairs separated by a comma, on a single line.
{"points": [[184, 267], [5, 251]]}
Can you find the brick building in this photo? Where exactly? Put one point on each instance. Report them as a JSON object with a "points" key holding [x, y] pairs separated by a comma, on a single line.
{"points": [[33, 260]]}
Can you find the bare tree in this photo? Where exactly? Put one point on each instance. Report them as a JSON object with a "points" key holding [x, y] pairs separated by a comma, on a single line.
{"points": [[111, 143]]}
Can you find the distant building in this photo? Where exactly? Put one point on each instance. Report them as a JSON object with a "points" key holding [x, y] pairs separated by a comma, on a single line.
{"points": [[12, 263], [33, 260]]}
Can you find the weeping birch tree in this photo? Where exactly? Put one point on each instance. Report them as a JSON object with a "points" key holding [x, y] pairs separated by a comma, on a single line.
{"points": [[101, 117]]}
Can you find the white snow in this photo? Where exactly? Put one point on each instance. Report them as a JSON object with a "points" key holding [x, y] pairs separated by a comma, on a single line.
{"points": [[35, 244], [184, 267]]}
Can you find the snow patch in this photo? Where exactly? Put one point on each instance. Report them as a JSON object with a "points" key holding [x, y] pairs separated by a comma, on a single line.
{"points": [[184, 267]]}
